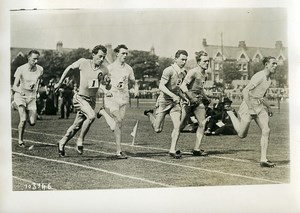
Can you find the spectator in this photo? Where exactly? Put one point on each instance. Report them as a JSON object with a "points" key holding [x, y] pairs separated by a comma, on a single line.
{"points": [[66, 94], [222, 124]]}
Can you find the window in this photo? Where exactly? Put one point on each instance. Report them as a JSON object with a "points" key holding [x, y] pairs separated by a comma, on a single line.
{"points": [[280, 60], [257, 58], [243, 67], [217, 66]]}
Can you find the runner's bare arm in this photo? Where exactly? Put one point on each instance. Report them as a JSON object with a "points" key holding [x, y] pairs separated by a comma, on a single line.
{"points": [[65, 73], [16, 84], [164, 89]]}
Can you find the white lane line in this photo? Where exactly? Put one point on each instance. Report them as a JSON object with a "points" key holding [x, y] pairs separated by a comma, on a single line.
{"points": [[172, 164], [212, 171], [149, 147], [95, 169], [37, 185]]}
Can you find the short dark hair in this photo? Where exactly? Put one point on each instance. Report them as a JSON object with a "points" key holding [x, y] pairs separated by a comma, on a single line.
{"points": [[96, 49], [199, 54], [120, 46], [267, 59], [33, 52], [181, 52]]}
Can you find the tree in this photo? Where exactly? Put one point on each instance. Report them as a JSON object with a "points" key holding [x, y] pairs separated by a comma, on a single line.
{"points": [[231, 72], [76, 54], [163, 64], [52, 62], [19, 60], [73, 56], [144, 64]]}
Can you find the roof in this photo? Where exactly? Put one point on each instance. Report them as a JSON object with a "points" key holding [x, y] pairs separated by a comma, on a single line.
{"points": [[233, 53]]}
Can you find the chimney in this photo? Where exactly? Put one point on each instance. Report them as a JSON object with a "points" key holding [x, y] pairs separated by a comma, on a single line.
{"points": [[152, 50], [204, 42], [110, 53], [278, 45], [59, 46], [242, 44]]}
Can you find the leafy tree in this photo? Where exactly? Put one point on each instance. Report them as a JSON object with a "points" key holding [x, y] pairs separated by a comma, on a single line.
{"points": [[52, 62], [231, 72], [19, 60], [163, 64], [143, 63], [73, 56], [76, 54]]}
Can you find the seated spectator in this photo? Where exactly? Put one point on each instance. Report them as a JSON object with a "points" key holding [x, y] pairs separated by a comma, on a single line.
{"points": [[220, 123], [213, 118]]}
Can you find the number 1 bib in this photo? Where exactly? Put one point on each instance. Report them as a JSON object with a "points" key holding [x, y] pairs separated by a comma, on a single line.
{"points": [[93, 83]]}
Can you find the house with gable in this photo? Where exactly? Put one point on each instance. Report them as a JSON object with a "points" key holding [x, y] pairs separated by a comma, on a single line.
{"points": [[242, 55]]}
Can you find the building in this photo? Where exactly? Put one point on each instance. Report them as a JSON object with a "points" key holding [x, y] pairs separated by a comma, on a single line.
{"points": [[242, 55]]}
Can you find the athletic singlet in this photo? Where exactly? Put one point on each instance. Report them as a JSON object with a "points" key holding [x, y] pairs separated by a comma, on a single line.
{"points": [[28, 79], [261, 84], [89, 83], [120, 76], [174, 75], [195, 80]]}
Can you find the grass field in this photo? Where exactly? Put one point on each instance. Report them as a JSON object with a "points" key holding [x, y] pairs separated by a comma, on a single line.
{"points": [[231, 161]]}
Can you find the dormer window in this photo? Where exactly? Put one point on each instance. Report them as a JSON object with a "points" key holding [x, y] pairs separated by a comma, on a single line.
{"points": [[217, 66], [257, 58], [280, 60], [243, 67]]}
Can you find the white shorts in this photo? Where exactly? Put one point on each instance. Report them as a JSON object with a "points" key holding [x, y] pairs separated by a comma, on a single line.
{"points": [[244, 110], [28, 101], [116, 102]]}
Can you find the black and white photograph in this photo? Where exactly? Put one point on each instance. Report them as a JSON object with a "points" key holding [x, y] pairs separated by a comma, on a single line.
{"points": [[119, 103]]}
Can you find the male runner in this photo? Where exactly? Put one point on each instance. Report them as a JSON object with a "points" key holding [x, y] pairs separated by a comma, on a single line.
{"points": [[92, 72], [169, 99], [253, 107], [25, 86], [193, 88], [117, 97]]}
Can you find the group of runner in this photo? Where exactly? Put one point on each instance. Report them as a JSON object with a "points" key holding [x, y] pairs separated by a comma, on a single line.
{"points": [[181, 93]]}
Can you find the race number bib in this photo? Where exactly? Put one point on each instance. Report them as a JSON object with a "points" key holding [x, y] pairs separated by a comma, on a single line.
{"points": [[179, 81], [30, 85], [122, 82], [120, 85], [93, 83]]}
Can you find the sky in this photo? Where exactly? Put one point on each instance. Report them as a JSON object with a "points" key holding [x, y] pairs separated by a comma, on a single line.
{"points": [[166, 29]]}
